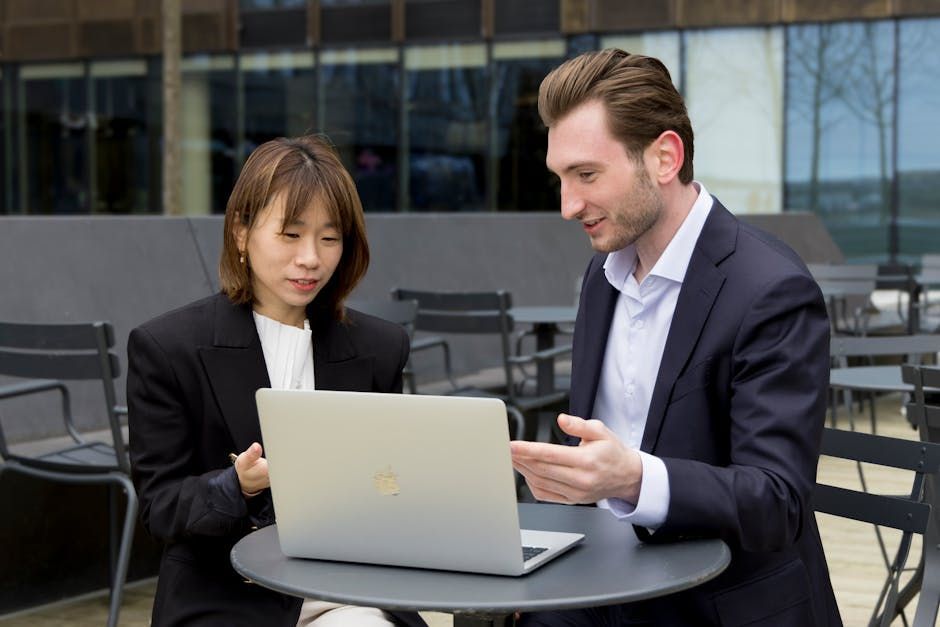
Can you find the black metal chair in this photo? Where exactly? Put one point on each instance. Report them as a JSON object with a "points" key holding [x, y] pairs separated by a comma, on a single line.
{"points": [[848, 289], [43, 356], [485, 313], [913, 513], [924, 412], [402, 312]]}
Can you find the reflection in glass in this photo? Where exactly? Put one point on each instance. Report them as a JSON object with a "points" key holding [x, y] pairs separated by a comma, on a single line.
{"points": [[918, 137], [733, 91], [840, 83], [209, 133], [446, 127], [522, 181], [358, 110], [278, 94], [6, 167], [55, 179], [123, 111]]}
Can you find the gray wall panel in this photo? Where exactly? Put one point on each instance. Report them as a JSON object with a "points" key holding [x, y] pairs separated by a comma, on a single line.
{"points": [[129, 269]]}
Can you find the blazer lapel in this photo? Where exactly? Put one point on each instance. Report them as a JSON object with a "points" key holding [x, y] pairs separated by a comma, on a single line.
{"points": [[594, 318], [336, 364], [703, 280], [235, 369]]}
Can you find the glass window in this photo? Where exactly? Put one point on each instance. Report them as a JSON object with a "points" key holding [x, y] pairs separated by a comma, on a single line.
{"points": [[446, 121], [521, 180], [359, 111], [733, 91], [249, 5], [918, 137], [839, 131], [6, 163], [125, 137], [210, 159], [664, 46], [278, 93], [53, 99]]}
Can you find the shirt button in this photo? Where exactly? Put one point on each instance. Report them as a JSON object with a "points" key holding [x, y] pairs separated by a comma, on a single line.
{"points": [[637, 324], [630, 389]]}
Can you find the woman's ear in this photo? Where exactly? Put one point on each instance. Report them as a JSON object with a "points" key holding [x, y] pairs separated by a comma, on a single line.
{"points": [[240, 231]]}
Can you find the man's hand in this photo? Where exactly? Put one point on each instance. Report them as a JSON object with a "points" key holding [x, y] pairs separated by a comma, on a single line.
{"points": [[599, 467], [252, 470]]}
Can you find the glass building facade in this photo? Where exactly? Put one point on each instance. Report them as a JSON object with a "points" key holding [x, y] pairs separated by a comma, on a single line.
{"points": [[835, 117]]}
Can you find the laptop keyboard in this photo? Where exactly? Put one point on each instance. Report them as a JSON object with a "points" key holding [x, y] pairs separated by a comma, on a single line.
{"points": [[528, 552]]}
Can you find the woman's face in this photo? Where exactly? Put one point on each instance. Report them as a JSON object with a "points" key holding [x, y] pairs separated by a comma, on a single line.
{"points": [[289, 267]]}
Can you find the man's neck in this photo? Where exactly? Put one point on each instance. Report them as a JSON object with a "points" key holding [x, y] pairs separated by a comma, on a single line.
{"points": [[650, 246]]}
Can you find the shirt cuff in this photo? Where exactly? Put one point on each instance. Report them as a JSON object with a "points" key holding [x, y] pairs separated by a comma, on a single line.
{"points": [[653, 504]]}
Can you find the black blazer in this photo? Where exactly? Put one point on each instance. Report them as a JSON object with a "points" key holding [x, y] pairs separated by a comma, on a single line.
{"points": [[736, 415], [192, 376]]}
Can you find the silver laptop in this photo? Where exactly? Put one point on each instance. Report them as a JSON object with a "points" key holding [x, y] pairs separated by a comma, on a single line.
{"points": [[404, 480]]}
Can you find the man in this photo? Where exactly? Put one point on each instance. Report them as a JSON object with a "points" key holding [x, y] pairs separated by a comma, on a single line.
{"points": [[700, 361]]}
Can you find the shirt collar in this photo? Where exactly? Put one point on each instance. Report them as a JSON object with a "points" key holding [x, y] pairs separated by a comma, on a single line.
{"points": [[674, 261]]}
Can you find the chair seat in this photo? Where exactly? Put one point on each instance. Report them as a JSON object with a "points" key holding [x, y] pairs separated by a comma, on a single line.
{"points": [[91, 457]]}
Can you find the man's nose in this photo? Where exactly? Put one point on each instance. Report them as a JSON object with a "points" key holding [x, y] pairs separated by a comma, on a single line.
{"points": [[571, 203]]}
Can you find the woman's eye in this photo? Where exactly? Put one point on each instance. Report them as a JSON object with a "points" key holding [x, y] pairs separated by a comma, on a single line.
{"points": [[290, 235]]}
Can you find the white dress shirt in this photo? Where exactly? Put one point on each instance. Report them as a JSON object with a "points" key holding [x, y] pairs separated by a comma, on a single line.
{"points": [[288, 353], [642, 317]]}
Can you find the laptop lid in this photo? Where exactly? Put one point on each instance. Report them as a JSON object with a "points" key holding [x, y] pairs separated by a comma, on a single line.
{"points": [[405, 480]]}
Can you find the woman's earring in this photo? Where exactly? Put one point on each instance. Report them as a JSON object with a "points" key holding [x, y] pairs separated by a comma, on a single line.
{"points": [[241, 259]]}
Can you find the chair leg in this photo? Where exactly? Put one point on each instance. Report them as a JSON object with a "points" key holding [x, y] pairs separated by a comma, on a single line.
{"points": [[124, 553]]}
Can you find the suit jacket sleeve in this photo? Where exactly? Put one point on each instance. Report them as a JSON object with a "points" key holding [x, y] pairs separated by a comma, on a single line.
{"points": [[779, 376], [178, 497]]}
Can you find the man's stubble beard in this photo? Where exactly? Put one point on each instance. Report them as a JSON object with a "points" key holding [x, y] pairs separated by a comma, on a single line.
{"points": [[637, 214]]}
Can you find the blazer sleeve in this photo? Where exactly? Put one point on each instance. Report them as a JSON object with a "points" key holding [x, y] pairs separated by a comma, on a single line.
{"points": [[779, 379], [179, 497]]}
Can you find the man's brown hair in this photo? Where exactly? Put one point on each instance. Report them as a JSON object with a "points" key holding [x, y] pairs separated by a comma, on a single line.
{"points": [[637, 92], [307, 172]]}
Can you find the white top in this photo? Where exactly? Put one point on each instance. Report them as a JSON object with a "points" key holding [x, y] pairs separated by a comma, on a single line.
{"points": [[642, 317], [288, 353]]}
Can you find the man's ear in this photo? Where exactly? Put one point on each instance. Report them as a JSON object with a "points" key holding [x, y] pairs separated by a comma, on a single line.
{"points": [[668, 153]]}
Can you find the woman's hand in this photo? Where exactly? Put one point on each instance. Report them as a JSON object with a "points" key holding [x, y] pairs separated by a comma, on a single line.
{"points": [[252, 470]]}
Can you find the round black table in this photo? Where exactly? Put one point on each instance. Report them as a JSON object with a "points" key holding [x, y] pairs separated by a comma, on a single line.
{"points": [[609, 566]]}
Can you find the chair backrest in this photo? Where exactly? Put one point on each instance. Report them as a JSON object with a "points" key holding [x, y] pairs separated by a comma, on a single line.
{"points": [[911, 513], [71, 352], [909, 347], [843, 271], [401, 312], [464, 313], [923, 411]]}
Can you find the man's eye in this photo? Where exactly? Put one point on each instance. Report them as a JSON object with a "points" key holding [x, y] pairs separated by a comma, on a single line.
{"points": [[586, 176]]}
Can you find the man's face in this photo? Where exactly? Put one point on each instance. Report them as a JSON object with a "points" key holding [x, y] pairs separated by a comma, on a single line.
{"points": [[602, 186]]}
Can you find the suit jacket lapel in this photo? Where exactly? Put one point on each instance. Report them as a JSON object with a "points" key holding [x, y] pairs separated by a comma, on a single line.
{"points": [[594, 318], [336, 364], [703, 280], [236, 369]]}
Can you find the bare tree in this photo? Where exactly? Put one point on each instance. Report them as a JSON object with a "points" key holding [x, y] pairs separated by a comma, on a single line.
{"points": [[819, 55]]}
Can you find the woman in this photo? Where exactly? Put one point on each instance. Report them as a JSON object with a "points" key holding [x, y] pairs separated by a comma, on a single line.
{"points": [[294, 247]]}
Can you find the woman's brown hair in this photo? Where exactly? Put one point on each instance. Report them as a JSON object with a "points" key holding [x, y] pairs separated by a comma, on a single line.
{"points": [[637, 92], [308, 173]]}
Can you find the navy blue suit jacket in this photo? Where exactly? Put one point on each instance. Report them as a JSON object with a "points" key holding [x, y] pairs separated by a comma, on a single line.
{"points": [[736, 415]]}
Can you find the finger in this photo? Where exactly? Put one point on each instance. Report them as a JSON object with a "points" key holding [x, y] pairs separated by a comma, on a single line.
{"points": [[560, 479], [584, 429], [249, 456], [544, 452]]}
